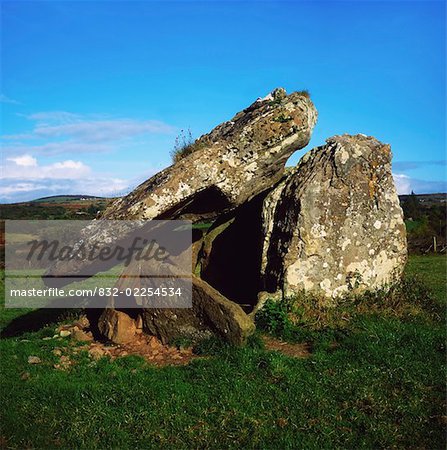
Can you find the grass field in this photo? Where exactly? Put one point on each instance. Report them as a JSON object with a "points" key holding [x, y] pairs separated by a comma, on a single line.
{"points": [[375, 379]]}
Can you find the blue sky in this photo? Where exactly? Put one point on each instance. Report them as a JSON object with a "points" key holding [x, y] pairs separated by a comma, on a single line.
{"points": [[93, 94]]}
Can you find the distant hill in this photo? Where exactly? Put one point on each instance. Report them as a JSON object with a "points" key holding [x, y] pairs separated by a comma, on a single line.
{"points": [[72, 207], [66, 198], [426, 199]]}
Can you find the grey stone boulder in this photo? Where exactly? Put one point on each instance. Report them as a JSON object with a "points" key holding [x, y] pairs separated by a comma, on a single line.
{"points": [[211, 313], [334, 225], [235, 161], [117, 326]]}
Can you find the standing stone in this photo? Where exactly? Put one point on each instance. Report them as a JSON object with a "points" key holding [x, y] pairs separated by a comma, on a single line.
{"points": [[335, 224]]}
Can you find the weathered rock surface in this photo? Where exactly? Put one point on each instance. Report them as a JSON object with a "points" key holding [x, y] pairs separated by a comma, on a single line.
{"points": [[235, 161], [231, 164], [34, 360], [335, 224], [117, 326], [331, 225], [82, 336], [211, 312]]}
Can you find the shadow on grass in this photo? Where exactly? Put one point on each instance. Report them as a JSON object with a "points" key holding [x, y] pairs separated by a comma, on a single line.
{"points": [[38, 319], [34, 321]]}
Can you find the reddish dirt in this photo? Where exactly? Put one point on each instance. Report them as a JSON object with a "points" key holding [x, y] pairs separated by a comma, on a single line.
{"points": [[146, 346], [287, 348]]}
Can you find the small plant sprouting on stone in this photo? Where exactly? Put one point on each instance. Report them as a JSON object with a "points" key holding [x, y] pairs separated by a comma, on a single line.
{"points": [[184, 145], [304, 93]]}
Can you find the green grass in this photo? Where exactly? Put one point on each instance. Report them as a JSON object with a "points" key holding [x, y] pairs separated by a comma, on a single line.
{"points": [[202, 225], [412, 225], [433, 270], [381, 386]]}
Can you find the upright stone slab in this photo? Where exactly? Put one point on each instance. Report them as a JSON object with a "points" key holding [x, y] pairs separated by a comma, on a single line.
{"points": [[335, 224]]}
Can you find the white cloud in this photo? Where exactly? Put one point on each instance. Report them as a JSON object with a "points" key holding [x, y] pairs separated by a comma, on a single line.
{"points": [[403, 183], [24, 160], [54, 133], [57, 132], [5, 99], [406, 185], [58, 148], [103, 186], [92, 127], [99, 186], [15, 137], [102, 130], [69, 164], [24, 179], [58, 116], [8, 191], [25, 167]]}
